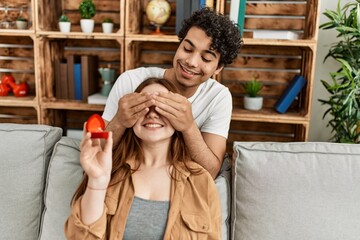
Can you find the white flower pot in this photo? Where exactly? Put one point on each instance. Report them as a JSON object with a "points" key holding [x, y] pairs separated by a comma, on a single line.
{"points": [[107, 27], [65, 26], [253, 103], [21, 24], [87, 25]]}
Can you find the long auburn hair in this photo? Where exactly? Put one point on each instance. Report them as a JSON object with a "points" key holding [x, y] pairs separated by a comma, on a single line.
{"points": [[130, 146]]}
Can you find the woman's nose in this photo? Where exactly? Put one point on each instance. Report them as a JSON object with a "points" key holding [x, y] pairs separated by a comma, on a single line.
{"points": [[152, 113]]}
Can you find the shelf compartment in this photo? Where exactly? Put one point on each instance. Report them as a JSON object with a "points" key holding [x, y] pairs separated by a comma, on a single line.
{"points": [[149, 53], [17, 58], [292, 15], [275, 67], [48, 20], [108, 53], [15, 9], [245, 131], [17, 114], [138, 23], [65, 118]]}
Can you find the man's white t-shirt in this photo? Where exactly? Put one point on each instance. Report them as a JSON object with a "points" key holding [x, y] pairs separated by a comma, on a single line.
{"points": [[211, 103]]}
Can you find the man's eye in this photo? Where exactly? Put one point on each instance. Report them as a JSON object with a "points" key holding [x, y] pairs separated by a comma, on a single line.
{"points": [[206, 60]]}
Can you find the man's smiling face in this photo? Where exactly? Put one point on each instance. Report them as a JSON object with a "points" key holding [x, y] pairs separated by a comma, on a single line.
{"points": [[195, 61]]}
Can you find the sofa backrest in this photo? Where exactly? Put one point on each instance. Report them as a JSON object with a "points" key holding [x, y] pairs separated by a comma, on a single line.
{"points": [[25, 152], [295, 191]]}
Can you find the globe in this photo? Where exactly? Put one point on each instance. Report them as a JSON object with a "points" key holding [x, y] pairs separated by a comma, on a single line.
{"points": [[158, 12]]}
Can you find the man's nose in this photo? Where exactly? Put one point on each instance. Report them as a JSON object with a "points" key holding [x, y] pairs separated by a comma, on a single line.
{"points": [[192, 60]]}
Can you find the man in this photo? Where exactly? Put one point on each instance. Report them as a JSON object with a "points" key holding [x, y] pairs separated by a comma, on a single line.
{"points": [[202, 112]]}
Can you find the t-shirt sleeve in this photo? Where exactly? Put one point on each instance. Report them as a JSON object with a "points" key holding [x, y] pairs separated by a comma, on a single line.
{"points": [[219, 120]]}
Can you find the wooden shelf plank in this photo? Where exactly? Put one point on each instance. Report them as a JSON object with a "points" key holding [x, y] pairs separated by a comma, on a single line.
{"points": [[78, 35], [269, 115], [71, 105], [15, 32], [152, 38], [277, 42], [11, 101]]}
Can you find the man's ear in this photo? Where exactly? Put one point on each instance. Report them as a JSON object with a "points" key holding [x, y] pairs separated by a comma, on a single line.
{"points": [[218, 70]]}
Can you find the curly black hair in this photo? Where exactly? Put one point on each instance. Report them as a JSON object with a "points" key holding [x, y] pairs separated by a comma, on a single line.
{"points": [[226, 37]]}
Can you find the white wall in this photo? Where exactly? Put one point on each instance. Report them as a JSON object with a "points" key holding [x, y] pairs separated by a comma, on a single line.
{"points": [[318, 130]]}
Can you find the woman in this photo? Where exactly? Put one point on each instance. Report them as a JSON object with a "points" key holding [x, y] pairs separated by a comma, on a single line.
{"points": [[148, 189]]}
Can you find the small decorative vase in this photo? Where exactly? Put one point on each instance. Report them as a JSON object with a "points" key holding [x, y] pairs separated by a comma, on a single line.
{"points": [[108, 77], [107, 27], [253, 103], [21, 24], [87, 25], [65, 26]]}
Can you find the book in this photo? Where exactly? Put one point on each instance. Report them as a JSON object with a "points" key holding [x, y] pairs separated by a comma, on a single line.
{"points": [[241, 16], [61, 81], [234, 10], [89, 75], [97, 98], [209, 3], [71, 60], [237, 13], [275, 34], [77, 81], [290, 93], [183, 11]]}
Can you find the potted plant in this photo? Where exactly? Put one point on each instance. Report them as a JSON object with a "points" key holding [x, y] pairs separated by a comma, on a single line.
{"points": [[344, 86], [252, 100], [107, 25], [64, 23], [87, 10], [21, 23]]}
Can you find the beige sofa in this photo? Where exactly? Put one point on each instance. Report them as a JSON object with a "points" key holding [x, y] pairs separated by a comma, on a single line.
{"points": [[279, 190]]}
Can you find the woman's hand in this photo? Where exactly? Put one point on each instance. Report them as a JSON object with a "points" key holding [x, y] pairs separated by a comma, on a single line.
{"points": [[95, 160]]}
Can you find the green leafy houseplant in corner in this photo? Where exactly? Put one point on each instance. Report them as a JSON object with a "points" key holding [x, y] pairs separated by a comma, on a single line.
{"points": [[252, 100], [87, 10], [64, 23], [344, 86]]}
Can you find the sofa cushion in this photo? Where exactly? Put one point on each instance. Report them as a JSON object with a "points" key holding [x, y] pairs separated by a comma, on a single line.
{"points": [[296, 191], [25, 152], [64, 176], [222, 182]]}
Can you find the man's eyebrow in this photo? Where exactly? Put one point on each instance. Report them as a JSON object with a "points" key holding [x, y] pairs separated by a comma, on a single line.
{"points": [[207, 51]]}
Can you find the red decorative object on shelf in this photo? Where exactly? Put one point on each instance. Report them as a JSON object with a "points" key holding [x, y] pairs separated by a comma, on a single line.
{"points": [[8, 83]]}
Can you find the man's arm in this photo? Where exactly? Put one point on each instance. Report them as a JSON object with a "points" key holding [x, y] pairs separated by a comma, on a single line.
{"points": [[206, 149]]}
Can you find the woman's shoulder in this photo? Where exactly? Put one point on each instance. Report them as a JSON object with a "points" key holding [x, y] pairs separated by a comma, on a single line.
{"points": [[195, 172]]}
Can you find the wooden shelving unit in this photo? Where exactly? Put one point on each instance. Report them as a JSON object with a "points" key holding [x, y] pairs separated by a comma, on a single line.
{"points": [[274, 62]]}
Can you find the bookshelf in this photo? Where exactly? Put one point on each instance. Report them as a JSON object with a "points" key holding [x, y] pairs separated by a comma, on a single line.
{"points": [[30, 55]]}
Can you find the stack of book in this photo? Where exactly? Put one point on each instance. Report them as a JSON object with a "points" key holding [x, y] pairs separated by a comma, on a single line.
{"points": [[76, 77]]}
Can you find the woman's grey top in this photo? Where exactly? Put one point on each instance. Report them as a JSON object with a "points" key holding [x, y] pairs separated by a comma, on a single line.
{"points": [[147, 219]]}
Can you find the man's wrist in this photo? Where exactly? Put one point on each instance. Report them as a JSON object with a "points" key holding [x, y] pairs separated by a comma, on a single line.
{"points": [[191, 129]]}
